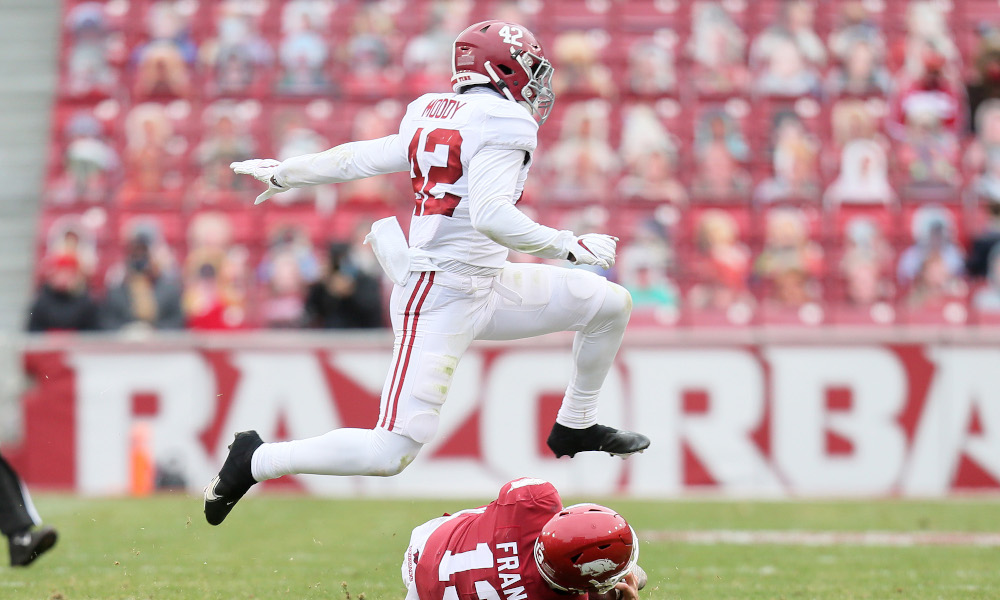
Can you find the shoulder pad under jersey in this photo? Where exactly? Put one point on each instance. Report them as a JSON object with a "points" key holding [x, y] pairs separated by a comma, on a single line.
{"points": [[508, 125], [529, 489]]}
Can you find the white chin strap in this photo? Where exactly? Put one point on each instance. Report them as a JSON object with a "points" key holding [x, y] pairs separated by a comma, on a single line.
{"points": [[498, 82]]}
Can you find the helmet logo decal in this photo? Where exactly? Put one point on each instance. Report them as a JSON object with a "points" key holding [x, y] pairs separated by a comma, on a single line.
{"points": [[597, 567], [511, 35], [539, 550]]}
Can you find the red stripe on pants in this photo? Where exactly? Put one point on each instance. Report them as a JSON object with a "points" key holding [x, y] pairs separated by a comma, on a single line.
{"points": [[409, 349], [402, 343]]}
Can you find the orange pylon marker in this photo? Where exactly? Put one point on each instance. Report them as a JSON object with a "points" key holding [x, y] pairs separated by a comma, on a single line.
{"points": [[141, 457]]}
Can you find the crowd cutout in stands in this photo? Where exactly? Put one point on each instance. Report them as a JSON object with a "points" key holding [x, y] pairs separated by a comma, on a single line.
{"points": [[771, 162]]}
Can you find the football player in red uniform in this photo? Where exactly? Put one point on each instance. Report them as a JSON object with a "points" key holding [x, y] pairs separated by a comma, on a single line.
{"points": [[524, 545]]}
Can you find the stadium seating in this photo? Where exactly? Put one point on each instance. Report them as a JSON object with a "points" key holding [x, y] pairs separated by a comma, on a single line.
{"points": [[691, 164]]}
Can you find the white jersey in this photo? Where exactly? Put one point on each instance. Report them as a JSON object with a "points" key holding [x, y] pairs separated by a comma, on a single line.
{"points": [[468, 156], [443, 132]]}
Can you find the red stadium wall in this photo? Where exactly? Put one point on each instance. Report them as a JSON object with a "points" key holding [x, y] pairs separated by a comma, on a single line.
{"points": [[784, 418]]}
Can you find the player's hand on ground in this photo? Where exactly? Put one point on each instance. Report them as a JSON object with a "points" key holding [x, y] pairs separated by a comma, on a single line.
{"points": [[628, 588], [261, 169], [641, 579], [593, 249]]}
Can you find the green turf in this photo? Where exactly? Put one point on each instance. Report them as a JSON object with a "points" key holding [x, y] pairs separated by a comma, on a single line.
{"points": [[276, 547]]}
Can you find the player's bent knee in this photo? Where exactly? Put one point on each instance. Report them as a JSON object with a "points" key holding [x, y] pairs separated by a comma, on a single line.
{"points": [[626, 298], [394, 467], [617, 305], [395, 453], [423, 426], [619, 298], [429, 394]]}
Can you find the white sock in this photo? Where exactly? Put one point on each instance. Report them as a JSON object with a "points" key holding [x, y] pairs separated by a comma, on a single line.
{"points": [[271, 460], [339, 452], [594, 351]]}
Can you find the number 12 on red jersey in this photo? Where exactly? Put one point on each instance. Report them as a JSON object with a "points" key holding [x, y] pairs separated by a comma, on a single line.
{"points": [[480, 558]]}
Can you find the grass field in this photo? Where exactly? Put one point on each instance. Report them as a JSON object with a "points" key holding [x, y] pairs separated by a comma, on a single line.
{"points": [[276, 547]]}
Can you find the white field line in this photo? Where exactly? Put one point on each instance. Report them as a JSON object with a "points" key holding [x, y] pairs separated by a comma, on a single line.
{"points": [[826, 538]]}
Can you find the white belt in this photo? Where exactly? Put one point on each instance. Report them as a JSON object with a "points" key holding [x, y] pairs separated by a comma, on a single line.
{"points": [[506, 293], [395, 257], [471, 284]]}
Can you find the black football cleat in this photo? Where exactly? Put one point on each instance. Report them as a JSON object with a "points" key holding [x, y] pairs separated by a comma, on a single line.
{"points": [[233, 480], [565, 441], [26, 547]]}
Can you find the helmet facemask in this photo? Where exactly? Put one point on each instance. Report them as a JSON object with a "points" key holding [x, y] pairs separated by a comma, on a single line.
{"points": [[537, 93]]}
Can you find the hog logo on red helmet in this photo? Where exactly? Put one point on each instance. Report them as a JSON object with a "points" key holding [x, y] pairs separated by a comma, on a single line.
{"points": [[507, 57], [597, 567], [584, 548]]}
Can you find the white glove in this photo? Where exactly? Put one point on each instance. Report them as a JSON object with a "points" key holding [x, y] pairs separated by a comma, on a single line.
{"points": [[593, 249], [261, 169]]}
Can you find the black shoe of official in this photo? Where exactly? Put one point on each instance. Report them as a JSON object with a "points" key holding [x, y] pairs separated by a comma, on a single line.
{"points": [[565, 441], [26, 547], [233, 480]]}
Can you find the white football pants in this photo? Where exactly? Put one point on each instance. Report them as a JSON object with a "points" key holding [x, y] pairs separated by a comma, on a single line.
{"points": [[435, 317]]}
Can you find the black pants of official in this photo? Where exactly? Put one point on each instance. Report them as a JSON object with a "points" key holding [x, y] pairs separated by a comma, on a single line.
{"points": [[15, 504]]}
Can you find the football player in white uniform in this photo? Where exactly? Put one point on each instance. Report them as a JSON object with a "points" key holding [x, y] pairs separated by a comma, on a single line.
{"points": [[468, 154]]}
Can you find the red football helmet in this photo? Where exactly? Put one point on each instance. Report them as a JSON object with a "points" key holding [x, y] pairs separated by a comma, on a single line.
{"points": [[508, 57], [584, 548]]}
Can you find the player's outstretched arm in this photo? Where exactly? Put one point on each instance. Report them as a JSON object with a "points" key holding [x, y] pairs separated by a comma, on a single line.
{"points": [[493, 174], [346, 162]]}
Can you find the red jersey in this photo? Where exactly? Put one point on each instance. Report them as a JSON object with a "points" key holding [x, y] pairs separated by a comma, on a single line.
{"points": [[488, 553]]}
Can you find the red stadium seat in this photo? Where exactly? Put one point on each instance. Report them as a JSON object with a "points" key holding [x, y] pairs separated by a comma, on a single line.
{"points": [[887, 219], [166, 225], [245, 224], [650, 15], [579, 14], [349, 221], [305, 218]]}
